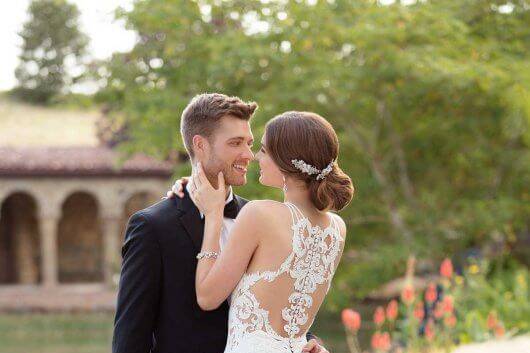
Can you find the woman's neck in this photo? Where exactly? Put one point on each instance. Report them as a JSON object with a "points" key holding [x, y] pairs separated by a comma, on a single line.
{"points": [[299, 196]]}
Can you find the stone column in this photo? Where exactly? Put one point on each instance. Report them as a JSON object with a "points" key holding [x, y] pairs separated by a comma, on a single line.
{"points": [[111, 248], [49, 253]]}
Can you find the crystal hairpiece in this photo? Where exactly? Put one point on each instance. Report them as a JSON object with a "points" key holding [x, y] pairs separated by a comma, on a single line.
{"points": [[309, 169]]}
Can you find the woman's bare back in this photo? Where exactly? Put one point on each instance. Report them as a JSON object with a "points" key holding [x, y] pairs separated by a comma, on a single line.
{"points": [[287, 278]]}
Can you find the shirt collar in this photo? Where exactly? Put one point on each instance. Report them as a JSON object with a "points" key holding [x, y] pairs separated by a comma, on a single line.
{"points": [[228, 199]]}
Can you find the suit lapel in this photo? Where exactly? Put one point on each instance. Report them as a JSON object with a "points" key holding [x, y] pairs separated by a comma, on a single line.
{"points": [[191, 220]]}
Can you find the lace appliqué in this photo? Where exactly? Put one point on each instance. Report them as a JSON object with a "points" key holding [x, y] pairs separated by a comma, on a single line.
{"points": [[310, 263], [313, 265]]}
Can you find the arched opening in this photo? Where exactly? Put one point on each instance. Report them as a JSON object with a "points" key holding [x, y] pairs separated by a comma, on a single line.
{"points": [[80, 243], [136, 202], [19, 240]]}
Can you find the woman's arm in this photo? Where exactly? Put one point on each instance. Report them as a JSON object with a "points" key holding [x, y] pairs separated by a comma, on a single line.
{"points": [[216, 278]]}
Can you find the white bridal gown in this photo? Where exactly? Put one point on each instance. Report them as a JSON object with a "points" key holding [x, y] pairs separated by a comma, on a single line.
{"points": [[272, 310]]}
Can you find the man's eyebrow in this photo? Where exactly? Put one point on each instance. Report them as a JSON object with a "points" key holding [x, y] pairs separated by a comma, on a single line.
{"points": [[236, 138]]}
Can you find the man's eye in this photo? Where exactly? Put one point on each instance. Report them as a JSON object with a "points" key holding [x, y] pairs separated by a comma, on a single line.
{"points": [[235, 143]]}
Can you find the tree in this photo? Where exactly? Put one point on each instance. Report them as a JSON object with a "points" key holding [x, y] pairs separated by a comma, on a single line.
{"points": [[430, 101], [52, 49]]}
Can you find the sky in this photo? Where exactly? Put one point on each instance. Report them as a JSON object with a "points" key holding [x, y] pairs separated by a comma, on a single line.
{"points": [[97, 21]]}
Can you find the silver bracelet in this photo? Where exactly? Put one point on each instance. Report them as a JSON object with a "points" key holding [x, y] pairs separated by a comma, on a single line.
{"points": [[207, 255]]}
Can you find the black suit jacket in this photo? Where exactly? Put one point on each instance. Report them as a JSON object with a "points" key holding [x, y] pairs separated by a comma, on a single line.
{"points": [[157, 308]]}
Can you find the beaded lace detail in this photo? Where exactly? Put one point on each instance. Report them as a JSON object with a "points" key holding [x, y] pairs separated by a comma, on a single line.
{"points": [[311, 263]]}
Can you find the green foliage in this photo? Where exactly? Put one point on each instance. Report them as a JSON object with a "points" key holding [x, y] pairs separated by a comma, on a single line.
{"points": [[430, 102], [52, 48], [504, 294]]}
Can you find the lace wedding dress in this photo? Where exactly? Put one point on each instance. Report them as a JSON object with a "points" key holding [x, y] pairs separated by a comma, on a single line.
{"points": [[271, 311]]}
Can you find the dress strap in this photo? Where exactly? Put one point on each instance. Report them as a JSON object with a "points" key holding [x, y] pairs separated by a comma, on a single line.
{"points": [[296, 214], [334, 223]]}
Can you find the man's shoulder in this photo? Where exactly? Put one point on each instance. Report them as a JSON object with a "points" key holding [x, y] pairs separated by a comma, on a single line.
{"points": [[160, 212]]}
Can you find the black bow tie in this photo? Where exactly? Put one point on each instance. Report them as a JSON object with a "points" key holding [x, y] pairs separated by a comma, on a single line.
{"points": [[231, 209]]}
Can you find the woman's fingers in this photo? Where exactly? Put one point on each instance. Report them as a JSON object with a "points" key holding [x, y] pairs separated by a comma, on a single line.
{"points": [[178, 188], [312, 346], [193, 180], [202, 179], [221, 182]]}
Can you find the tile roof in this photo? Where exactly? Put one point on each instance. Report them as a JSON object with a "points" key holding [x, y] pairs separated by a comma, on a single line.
{"points": [[77, 161]]}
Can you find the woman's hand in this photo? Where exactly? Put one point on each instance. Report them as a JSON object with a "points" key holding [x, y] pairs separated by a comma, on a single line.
{"points": [[209, 201], [178, 188]]}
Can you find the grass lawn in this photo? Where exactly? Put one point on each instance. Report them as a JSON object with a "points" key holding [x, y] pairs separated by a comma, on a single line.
{"points": [[55, 333], [92, 333]]}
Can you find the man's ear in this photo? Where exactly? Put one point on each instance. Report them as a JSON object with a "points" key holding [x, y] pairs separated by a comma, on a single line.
{"points": [[199, 146]]}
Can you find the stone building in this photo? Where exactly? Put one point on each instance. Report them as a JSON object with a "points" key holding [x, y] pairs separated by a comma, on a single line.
{"points": [[64, 205]]}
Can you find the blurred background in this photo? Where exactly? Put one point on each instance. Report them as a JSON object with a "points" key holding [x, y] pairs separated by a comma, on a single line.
{"points": [[431, 102]]}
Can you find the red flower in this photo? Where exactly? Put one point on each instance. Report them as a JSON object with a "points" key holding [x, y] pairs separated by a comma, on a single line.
{"points": [[447, 304], [407, 295], [379, 316], [450, 321], [438, 311], [446, 268], [351, 319], [376, 341], [392, 310], [492, 320], [419, 312], [430, 293], [429, 330], [385, 341]]}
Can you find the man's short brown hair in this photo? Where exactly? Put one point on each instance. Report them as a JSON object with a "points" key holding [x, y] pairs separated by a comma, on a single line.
{"points": [[202, 115]]}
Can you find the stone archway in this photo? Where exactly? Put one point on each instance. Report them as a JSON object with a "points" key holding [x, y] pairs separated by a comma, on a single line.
{"points": [[19, 240], [79, 240], [135, 202]]}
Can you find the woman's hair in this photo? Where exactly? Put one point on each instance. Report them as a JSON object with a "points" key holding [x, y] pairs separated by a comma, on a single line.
{"points": [[309, 137]]}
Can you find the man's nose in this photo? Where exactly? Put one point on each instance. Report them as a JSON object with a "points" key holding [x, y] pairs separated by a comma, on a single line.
{"points": [[248, 154]]}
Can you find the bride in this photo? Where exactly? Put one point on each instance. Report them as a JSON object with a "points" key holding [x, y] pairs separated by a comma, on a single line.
{"points": [[279, 261]]}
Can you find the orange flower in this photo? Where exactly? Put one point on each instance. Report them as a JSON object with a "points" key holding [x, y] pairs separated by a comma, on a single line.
{"points": [[351, 320], [379, 316], [385, 341], [430, 293], [450, 321], [492, 320], [419, 312], [429, 330], [446, 268], [407, 295], [447, 304], [499, 331], [392, 310]]}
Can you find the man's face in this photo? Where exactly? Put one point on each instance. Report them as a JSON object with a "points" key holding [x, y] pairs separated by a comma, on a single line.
{"points": [[229, 150]]}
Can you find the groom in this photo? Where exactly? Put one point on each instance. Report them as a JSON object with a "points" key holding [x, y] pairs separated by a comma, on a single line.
{"points": [[157, 309]]}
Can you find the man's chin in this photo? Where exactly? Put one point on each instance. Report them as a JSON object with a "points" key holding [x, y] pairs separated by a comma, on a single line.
{"points": [[239, 180]]}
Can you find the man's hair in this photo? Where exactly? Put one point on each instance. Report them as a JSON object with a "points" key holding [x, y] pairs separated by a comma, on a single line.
{"points": [[202, 115]]}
